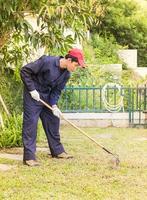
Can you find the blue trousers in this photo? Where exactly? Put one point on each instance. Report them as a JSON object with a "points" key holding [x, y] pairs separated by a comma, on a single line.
{"points": [[34, 110]]}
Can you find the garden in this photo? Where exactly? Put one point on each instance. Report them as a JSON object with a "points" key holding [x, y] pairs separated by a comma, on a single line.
{"points": [[90, 174]]}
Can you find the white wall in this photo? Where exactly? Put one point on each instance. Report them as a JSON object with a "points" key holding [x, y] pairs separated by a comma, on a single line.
{"points": [[101, 119], [129, 56]]}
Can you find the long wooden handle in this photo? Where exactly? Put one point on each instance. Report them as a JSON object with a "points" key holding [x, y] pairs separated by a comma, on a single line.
{"points": [[80, 130], [4, 106], [1, 121], [46, 104]]}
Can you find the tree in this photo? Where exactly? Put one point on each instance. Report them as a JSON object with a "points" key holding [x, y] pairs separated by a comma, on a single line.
{"points": [[17, 36], [128, 24]]}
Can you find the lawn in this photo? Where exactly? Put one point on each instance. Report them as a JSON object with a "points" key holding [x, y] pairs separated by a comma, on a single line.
{"points": [[89, 175]]}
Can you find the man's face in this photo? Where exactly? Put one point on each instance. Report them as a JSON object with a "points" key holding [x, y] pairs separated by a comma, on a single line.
{"points": [[71, 66]]}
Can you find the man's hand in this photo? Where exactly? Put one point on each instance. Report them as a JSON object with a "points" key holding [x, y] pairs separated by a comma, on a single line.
{"points": [[35, 95], [56, 111]]}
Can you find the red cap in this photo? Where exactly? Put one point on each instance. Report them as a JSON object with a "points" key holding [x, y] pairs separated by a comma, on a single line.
{"points": [[78, 53]]}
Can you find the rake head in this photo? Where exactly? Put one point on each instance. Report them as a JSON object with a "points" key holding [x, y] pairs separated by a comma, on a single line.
{"points": [[115, 162]]}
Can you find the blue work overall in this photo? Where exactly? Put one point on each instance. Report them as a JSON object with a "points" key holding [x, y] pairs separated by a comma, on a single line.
{"points": [[45, 76]]}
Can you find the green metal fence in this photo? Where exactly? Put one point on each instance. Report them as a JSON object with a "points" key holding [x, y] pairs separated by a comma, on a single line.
{"points": [[137, 105], [90, 99]]}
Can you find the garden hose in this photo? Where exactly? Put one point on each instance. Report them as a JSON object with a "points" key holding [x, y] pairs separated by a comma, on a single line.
{"points": [[109, 106]]}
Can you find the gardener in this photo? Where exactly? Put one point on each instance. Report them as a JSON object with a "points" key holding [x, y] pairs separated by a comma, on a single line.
{"points": [[45, 79]]}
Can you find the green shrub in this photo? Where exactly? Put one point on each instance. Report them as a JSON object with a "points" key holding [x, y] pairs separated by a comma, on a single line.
{"points": [[11, 91], [105, 49], [10, 135]]}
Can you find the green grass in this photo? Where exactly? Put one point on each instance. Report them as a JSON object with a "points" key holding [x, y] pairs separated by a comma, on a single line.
{"points": [[89, 176]]}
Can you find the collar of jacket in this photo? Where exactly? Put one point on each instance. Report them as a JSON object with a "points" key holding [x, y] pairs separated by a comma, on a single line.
{"points": [[58, 60]]}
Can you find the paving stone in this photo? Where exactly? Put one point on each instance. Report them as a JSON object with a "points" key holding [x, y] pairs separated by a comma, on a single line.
{"points": [[11, 156], [4, 167]]}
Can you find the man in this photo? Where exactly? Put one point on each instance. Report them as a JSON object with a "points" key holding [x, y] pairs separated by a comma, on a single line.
{"points": [[45, 79]]}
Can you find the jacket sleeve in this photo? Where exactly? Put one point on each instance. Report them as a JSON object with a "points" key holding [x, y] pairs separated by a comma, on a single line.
{"points": [[28, 71], [56, 91]]}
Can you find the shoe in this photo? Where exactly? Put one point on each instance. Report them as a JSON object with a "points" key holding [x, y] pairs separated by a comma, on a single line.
{"points": [[31, 163], [63, 155]]}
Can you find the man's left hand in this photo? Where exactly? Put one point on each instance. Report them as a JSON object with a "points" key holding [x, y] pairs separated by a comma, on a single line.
{"points": [[56, 111]]}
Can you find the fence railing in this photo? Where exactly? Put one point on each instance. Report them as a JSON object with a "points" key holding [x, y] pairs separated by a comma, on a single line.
{"points": [[91, 99]]}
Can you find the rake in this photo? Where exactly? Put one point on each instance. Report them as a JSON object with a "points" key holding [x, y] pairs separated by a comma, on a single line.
{"points": [[115, 161]]}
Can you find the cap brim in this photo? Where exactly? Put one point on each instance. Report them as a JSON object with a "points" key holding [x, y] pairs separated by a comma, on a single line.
{"points": [[82, 64]]}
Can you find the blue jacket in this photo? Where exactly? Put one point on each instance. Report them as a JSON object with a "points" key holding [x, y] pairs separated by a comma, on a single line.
{"points": [[46, 77]]}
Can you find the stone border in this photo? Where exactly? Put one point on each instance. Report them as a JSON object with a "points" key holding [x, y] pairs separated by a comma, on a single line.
{"points": [[100, 119]]}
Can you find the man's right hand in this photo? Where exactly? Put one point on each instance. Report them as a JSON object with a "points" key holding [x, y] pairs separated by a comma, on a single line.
{"points": [[35, 95]]}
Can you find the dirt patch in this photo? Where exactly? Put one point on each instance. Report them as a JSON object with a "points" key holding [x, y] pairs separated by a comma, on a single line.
{"points": [[12, 150], [104, 136], [141, 139], [43, 149]]}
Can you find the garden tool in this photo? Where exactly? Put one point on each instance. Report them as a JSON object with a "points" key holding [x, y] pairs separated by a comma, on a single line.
{"points": [[115, 160]]}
